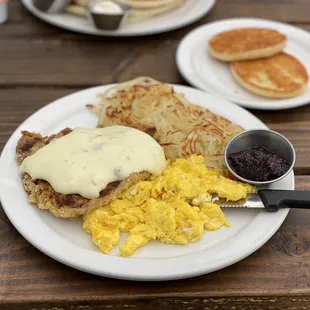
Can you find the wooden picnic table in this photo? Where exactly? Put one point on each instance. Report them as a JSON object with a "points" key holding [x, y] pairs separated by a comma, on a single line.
{"points": [[40, 63]]}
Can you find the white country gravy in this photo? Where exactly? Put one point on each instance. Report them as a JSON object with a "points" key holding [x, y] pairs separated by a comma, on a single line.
{"points": [[106, 7], [86, 160]]}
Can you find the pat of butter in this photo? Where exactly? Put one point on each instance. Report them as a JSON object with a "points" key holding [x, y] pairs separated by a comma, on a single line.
{"points": [[106, 7], [85, 161]]}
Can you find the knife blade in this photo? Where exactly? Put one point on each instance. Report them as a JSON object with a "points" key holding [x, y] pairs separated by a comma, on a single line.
{"points": [[269, 199], [251, 201]]}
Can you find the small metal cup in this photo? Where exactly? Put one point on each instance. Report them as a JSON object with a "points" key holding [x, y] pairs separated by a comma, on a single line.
{"points": [[106, 21], [272, 140], [51, 6]]}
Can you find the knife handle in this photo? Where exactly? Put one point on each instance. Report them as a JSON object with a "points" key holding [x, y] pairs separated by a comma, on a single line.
{"points": [[274, 200]]}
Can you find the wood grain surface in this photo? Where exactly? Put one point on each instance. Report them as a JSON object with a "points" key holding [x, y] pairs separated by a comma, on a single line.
{"points": [[40, 63]]}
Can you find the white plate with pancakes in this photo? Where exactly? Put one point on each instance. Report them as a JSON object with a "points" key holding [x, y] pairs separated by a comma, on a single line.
{"points": [[65, 240], [234, 81], [183, 13]]}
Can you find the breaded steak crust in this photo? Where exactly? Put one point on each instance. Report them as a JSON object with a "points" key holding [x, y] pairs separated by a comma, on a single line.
{"points": [[44, 196]]}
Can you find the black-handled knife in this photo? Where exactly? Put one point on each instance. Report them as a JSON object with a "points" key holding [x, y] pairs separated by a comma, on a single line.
{"points": [[270, 200]]}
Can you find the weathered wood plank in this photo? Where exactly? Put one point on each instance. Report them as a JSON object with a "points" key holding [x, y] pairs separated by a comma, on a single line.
{"points": [[87, 60], [85, 63], [214, 303]]}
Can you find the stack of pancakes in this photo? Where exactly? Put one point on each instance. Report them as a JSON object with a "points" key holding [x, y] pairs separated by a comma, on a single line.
{"points": [[140, 9], [258, 63]]}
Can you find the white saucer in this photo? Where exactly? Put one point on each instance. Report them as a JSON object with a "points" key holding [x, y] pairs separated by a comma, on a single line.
{"points": [[189, 13], [207, 73]]}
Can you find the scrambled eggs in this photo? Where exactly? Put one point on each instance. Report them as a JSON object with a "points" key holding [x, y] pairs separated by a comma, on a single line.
{"points": [[174, 207]]}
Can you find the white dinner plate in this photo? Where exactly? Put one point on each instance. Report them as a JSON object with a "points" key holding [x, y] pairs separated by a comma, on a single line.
{"points": [[65, 241], [189, 13], [207, 73]]}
